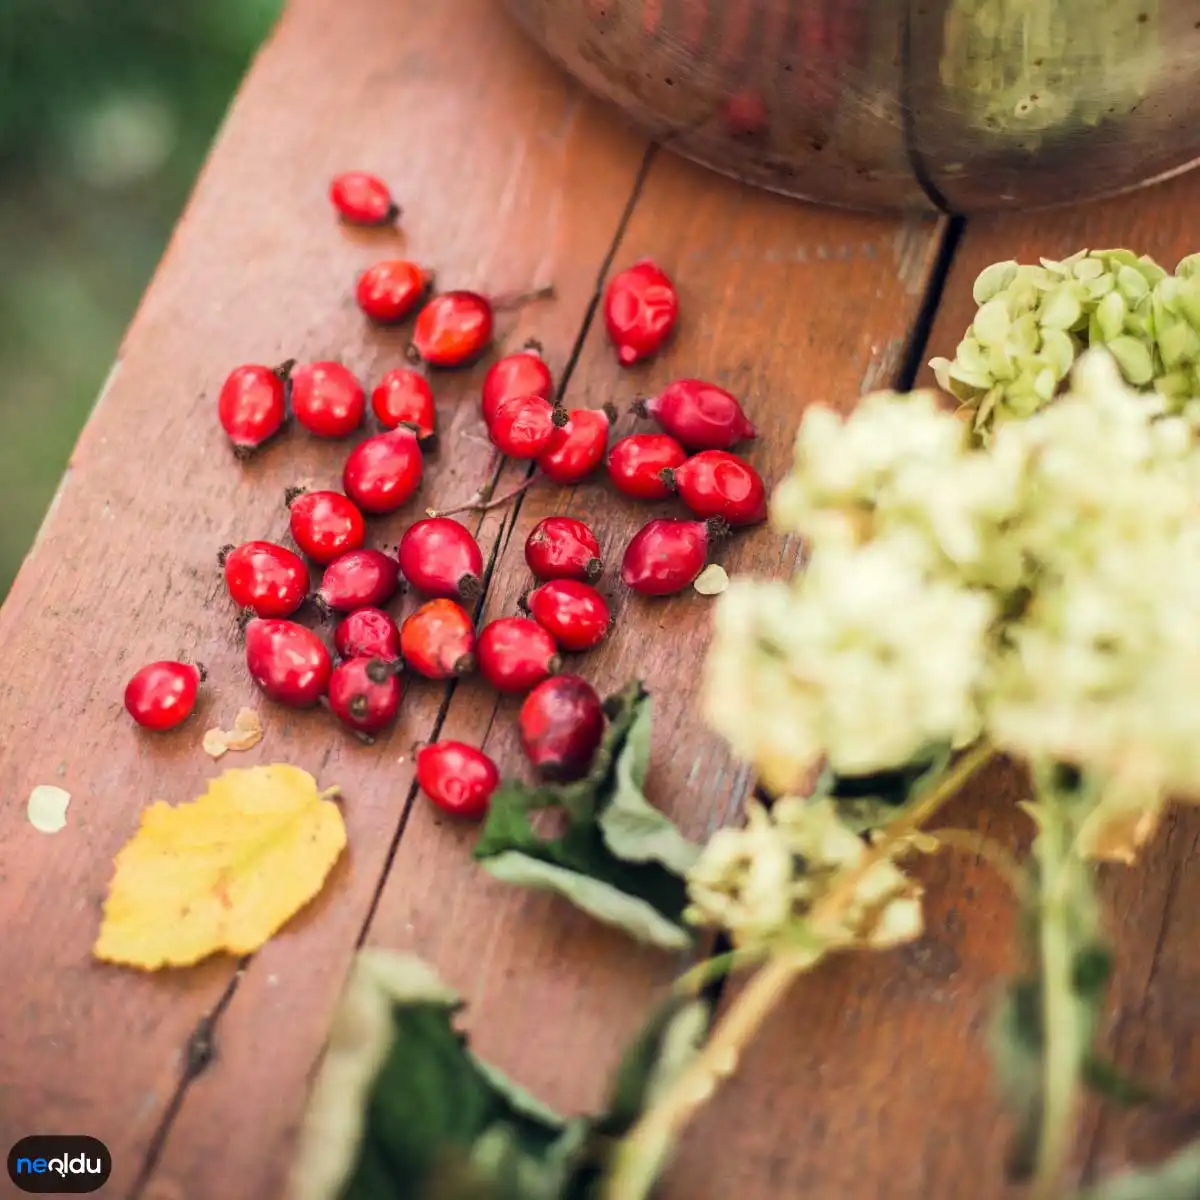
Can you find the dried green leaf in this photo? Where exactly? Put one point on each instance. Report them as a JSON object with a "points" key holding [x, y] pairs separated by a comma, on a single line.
{"points": [[619, 859], [993, 280], [1134, 359]]}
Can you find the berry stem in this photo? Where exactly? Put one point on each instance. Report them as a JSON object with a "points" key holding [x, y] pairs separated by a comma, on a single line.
{"points": [[478, 503]]}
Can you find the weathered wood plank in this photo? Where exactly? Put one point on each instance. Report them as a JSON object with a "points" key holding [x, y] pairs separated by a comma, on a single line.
{"points": [[508, 176], [785, 304], [873, 1082]]}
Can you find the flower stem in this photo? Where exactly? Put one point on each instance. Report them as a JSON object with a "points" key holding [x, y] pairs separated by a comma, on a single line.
{"points": [[640, 1155], [478, 503]]}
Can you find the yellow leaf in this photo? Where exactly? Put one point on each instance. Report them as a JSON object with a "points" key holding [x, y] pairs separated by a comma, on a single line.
{"points": [[223, 872]]}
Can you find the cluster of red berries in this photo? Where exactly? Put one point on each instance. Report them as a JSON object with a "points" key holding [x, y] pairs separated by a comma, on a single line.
{"points": [[561, 721]]}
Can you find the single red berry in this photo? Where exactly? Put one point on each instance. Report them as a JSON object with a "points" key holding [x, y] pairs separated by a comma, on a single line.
{"points": [[364, 694], [327, 400], [252, 405], [641, 307], [666, 555], [573, 613], [440, 557], [404, 397], [162, 694], [522, 426], [289, 662], [359, 579], [715, 483], [577, 448], [438, 640], [563, 548], [698, 415], [266, 579], [325, 525], [635, 463], [363, 199], [453, 329], [367, 633], [516, 653], [388, 291], [561, 725], [382, 472], [522, 374], [458, 778]]}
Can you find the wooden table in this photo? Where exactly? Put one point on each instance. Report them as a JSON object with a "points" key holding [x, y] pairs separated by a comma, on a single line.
{"points": [[872, 1084]]}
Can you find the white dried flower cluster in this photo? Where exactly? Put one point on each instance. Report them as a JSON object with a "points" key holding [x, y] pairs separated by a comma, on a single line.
{"points": [[765, 881], [1044, 591], [1034, 320]]}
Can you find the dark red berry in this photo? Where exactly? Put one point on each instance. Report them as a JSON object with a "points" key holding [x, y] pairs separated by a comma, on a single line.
{"points": [[404, 397], [561, 725], [438, 640], [522, 426], [699, 415], [382, 472], [162, 694], [641, 307], [577, 448], [516, 653], [522, 374], [453, 329], [327, 400], [440, 557], [388, 291], [367, 633], [289, 662], [563, 548], [325, 525], [635, 463], [715, 483], [359, 579], [269, 580], [252, 405], [458, 778], [363, 199], [572, 612], [364, 694], [668, 554]]}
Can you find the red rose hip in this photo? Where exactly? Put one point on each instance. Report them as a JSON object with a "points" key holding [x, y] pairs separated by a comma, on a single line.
{"points": [[563, 548], [438, 640], [367, 633], [635, 464], [522, 374], [523, 426], [390, 290], [265, 579], [365, 693], [325, 525], [359, 579], [404, 397], [327, 399], [641, 308], [252, 405], [573, 613], [453, 329], [382, 472], [715, 483], [561, 725], [363, 199], [162, 695], [575, 449], [698, 415], [666, 555], [288, 662], [516, 653], [440, 557], [458, 778]]}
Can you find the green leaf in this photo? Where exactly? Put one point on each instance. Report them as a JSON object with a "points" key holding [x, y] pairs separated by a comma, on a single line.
{"points": [[619, 859], [1178, 1178]]}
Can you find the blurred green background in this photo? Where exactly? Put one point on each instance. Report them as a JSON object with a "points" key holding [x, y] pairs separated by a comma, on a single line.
{"points": [[107, 108]]}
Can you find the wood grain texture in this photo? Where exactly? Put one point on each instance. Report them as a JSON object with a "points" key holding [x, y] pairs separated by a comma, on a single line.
{"points": [[872, 1083], [508, 177], [786, 305]]}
